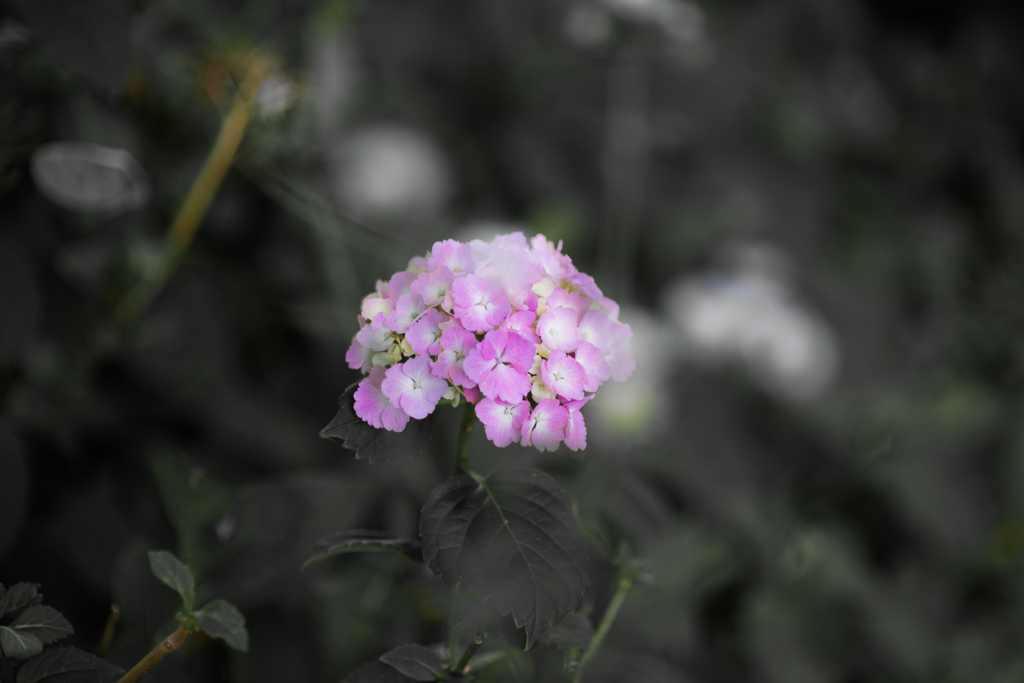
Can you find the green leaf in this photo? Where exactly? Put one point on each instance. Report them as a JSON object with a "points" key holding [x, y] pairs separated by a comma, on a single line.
{"points": [[19, 645], [511, 538], [45, 623], [87, 37], [376, 445], [221, 619], [376, 672], [68, 665], [572, 632], [415, 661], [364, 541], [18, 597], [174, 574]]}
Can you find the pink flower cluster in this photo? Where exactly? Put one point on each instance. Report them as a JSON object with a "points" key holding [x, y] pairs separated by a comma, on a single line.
{"points": [[508, 326]]}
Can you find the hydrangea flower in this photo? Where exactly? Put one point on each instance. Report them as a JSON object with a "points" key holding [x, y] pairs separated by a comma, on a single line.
{"points": [[509, 326]]}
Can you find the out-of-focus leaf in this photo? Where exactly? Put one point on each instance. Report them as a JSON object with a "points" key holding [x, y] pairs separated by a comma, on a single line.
{"points": [[14, 484], [194, 504], [19, 596], [45, 623], [19, 644], [376, 672], [364, 541], [88, 178], [510, 537], [172, 572], [572, 632], [377, 445], [87, 37], [19, 302], [415, 661], [221, 619], [68, 665]]}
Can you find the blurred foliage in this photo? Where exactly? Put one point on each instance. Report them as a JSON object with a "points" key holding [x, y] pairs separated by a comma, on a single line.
{"points": [[873, 532]]}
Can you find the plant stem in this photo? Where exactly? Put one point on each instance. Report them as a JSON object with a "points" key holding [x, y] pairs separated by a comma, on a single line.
{"points": [[203, 190], [625, 584], [108, 632], [468, 654], [465, 429], [169, 645]]}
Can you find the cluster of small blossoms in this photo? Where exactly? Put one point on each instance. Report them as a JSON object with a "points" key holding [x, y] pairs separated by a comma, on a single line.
{"points": [[508, 326]]}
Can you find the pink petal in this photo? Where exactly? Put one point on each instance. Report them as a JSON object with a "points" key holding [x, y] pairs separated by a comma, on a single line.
{"points": [[456, 343], [424, 334], [564, 376], [620, 356], [413, 387], [455, 256], [481, 303], [373, 407], [400, 284], [557, 328], [358, 356], [545, 427], [506, 383], [575, 428], [594, 364], [502, 421]]}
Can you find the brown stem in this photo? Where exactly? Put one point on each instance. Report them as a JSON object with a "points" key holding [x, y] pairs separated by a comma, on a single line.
{"points": [[108, 632], [203, 189], [169, 645]]}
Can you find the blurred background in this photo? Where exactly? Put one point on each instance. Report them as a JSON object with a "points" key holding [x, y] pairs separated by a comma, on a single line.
{"points": [[812, 212]]}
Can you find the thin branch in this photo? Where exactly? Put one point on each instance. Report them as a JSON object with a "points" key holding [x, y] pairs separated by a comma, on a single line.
{"points": [[108, 632], [169, 645]]}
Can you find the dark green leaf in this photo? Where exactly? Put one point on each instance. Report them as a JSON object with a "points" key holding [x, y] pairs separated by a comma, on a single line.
{"points": [[377, 445], [87, 37], [376, 672], [19, 596], [221, 619], [364, 541], [572, 632], [415, 661], [68, 665], [174, 574], [45, 623], [511, 538], [19, 645]]}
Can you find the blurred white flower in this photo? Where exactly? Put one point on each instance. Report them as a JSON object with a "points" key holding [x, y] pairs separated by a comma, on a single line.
{"points": [[88, 178], [681, 20], [748, 315], [274, 96], [390, 175]]}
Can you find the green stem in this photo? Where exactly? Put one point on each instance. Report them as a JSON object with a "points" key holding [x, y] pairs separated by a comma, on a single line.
{"points": [[200, 195], [625, 584], [465, 429], [468, 654]]}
